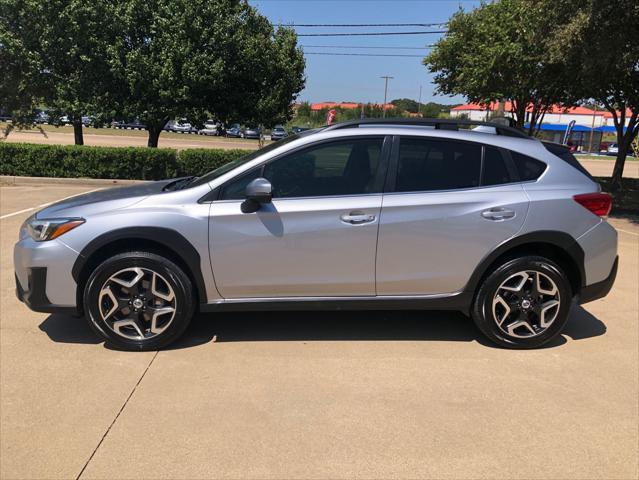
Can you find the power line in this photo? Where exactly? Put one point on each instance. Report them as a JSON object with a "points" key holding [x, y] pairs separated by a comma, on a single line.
{"points": [[357, 25], [364, 54], [367, 34], [375, 47]]}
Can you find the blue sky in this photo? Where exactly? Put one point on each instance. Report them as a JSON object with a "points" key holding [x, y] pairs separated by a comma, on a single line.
{"points": [[350, 78]]}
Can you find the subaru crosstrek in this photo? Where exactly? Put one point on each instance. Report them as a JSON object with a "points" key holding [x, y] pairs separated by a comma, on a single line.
{"points": [[376, 214]]}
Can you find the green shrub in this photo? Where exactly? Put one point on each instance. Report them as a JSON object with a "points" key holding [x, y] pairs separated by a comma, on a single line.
{"points": [[198, 161], [625, 200], [135, 163]]}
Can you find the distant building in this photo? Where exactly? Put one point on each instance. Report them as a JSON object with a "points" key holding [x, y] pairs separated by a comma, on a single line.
{"points": [[347, 105], [556, 115]]}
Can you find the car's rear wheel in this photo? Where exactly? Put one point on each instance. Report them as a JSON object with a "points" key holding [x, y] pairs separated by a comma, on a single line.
{"points": [[139, 301], [523, 303]]}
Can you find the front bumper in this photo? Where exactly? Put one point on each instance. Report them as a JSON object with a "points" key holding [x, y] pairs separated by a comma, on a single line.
{"points": [[34, 295], [43, 275]]}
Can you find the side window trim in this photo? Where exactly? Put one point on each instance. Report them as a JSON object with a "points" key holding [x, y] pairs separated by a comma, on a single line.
{"points": [[216, 194]]}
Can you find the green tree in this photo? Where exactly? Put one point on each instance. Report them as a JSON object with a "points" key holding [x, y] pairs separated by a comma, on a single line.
{"points": [[186, 58], [598, 48], [499, 52], [55, 54], [406, 104], [22, 77]]}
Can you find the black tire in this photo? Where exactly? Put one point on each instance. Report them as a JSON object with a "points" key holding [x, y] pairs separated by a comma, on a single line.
{"points": [[483, 312], [172, 278]]}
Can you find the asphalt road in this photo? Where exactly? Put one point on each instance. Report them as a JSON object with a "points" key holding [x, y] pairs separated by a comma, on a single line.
{"points": [[318, 395]]}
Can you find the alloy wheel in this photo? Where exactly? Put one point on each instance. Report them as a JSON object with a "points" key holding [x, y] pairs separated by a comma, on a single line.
{"points": [[137, 303], [526, 304]]}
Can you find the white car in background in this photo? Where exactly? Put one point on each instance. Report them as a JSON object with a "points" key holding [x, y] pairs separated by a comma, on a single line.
{"points": [[613, 149], [210, 128]]}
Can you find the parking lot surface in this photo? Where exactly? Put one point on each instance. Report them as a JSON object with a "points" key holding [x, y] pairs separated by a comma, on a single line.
{"points": [[318, 395]]}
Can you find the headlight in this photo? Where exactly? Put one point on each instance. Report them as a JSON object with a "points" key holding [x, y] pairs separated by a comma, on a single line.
{"points": [[42, 230]]}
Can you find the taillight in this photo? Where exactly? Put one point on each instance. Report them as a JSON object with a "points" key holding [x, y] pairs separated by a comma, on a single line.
{"points": [[598, 203]]}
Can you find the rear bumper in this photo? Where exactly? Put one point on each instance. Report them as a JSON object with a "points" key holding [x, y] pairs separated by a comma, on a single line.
{"points": [[600, 289], [34, 294]]}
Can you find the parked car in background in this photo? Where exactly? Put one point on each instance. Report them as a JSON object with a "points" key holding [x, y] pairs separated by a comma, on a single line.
{"points": [[234, 131], [613, 149], [278, 133], [252, 133], [182, 126], [41, 117], [210, 128], [375, 214], [299, 129]]}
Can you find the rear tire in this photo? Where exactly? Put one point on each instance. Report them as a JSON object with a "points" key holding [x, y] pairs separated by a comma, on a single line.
{"points": [[523, 303], [139, 301]]}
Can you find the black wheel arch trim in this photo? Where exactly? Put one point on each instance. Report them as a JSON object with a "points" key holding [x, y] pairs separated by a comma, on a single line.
{"points": [[168, 238], [561, 240]]}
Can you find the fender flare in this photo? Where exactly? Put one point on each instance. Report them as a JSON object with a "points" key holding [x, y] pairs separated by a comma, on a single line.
{"points": [[168, 238], [561, 240]]}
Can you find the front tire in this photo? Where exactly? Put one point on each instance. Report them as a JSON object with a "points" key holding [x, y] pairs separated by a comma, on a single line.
{"points": [[139, 301], [523, 303]]}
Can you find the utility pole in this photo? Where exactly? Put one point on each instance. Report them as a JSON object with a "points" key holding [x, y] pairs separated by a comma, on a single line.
{"points": [[419, 103], [386, 79]]}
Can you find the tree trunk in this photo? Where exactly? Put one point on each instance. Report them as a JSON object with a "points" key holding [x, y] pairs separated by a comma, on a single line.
{"points": [[77, 131], [154, 135], [620, 162], [624, 141]]}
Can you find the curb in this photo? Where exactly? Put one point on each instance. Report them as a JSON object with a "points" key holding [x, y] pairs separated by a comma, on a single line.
{"points": [[17, 180]]}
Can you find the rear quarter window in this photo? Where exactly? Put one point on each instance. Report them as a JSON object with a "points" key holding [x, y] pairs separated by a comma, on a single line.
{"points": [[528, 168]]}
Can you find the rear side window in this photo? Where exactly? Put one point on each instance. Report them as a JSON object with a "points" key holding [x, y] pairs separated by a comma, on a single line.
{"points": [[528, 168], [426, 165], [563, 152], [495, 168]]}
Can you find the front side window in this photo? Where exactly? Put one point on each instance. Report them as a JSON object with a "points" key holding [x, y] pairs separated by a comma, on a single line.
{"points": [[426, 165], [346, 167]]}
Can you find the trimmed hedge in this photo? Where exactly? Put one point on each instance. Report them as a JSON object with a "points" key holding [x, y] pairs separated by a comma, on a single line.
{"points": [[129, 163], [625, 200]]}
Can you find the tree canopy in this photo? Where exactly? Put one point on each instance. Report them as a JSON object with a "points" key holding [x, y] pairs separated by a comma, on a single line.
{"points": [[598, 48], [151, 60], [194, 58], [499, 51]]}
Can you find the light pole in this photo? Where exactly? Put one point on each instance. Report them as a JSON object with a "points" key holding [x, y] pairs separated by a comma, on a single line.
{"points": [[386, 79], [419, 103]]}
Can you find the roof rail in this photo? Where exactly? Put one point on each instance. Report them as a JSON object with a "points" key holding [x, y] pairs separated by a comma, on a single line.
{"points": [[437, 123]]}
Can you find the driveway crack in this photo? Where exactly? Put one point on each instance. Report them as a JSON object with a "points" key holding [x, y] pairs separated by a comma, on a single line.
{"points": [[117, 416]]}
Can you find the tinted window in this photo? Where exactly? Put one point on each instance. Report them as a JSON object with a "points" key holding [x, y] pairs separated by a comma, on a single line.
{"points": [[495, 169], [528, 168], [437, 165], [338, 168]]}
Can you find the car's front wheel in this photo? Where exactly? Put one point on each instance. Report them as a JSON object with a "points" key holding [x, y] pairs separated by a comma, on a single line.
{"points": [[523, 303], [139, 301]]}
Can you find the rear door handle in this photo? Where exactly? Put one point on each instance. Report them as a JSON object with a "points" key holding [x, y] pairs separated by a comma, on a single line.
{"points": [[357, 218], [498, 213]]}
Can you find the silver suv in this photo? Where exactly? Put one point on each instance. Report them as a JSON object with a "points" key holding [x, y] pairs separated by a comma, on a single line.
{"points": [[376, 214]]}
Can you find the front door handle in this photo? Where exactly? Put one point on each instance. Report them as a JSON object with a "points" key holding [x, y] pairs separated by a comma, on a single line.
{"points": [[498, 213], [357, 218]]}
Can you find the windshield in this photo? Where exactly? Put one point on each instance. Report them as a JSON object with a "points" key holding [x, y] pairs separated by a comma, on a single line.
{"points": [[218, 172]]}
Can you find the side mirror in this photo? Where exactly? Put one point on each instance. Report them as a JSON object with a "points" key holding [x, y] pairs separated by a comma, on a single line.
{"points": [[259, 191]]}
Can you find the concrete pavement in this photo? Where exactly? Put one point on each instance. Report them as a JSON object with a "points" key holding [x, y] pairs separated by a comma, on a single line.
{"points": [[318, 395]]}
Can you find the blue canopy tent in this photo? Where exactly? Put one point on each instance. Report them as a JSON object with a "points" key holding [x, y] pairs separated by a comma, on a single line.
{"points": [[579, 136]]}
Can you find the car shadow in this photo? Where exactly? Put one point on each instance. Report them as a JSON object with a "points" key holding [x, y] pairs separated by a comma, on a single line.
{"points": [[325, 326]]}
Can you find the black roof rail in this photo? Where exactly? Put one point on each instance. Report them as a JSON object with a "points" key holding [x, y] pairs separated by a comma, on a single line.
{"points": [[437, 123]]}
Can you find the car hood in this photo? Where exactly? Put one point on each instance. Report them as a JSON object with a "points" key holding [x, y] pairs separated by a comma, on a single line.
{"points": [[102, 200]]}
